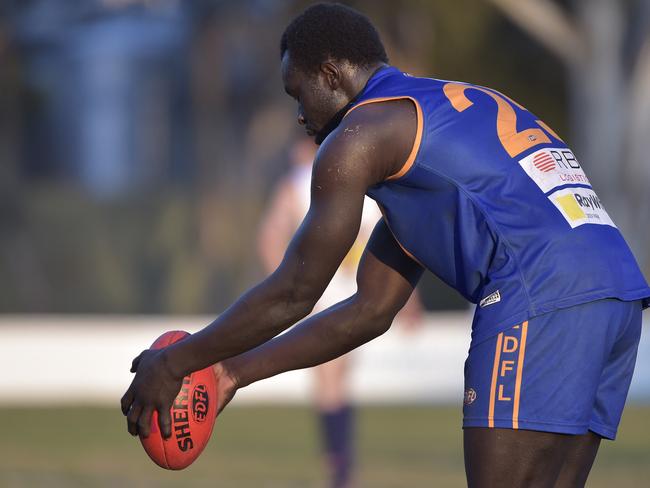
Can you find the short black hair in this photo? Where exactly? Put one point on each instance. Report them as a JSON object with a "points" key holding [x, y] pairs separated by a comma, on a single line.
{"points": [[332, 30]]}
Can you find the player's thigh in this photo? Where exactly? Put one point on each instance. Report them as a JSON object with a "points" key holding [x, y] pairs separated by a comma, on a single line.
{"points": [[496, 458], [617, 373], [553, 374], [579, 459], [545, 374]]}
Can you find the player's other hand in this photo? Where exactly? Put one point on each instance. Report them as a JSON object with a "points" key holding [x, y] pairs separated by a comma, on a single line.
{"points": [[227, 384], [153, 389]]}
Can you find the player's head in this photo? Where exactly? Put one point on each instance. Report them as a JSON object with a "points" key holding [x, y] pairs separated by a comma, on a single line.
{"points": [[325, 51]]}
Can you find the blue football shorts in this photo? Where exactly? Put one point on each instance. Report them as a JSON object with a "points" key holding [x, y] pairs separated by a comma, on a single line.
{"points": [[566, 371]]}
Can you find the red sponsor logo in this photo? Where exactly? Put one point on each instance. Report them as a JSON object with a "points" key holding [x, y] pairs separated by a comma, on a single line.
{"points": [[544, 162]]}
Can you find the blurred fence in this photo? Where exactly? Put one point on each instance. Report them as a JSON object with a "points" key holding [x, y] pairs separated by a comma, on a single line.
{"points": [[72, 360]]}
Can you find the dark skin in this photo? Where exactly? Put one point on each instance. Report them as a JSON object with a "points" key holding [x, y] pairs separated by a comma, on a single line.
{"points": [[527, 459], [348, 162], [370, 144]]}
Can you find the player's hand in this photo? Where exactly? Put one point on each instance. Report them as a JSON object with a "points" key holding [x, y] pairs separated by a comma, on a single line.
{"points": [[227, 384], [153, 389]]}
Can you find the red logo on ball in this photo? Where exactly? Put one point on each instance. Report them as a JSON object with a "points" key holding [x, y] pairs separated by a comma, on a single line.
{"points": [[200, 403]]}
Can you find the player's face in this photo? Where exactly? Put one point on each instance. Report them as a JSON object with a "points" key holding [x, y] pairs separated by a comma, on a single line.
{"points": [[318, 101]]}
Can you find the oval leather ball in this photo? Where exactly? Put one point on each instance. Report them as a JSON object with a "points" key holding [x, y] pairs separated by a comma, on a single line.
{"points": [[193, 414]]}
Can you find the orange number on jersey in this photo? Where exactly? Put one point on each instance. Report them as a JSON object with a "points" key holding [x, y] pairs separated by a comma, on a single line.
{"points": [[513, 142]]}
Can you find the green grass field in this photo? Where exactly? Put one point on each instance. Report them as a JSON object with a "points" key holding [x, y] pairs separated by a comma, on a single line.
{"points": [[271, 447]]}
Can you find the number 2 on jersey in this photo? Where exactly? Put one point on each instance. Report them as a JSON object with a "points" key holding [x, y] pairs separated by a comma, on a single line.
{"points": [[512, 141]]}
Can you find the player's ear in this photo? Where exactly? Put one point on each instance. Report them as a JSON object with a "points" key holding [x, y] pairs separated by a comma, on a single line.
{"points": [[332, 74]]}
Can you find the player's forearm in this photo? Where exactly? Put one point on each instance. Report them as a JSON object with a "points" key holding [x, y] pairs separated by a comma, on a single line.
{"points": [[259, 315], [319, 339]]}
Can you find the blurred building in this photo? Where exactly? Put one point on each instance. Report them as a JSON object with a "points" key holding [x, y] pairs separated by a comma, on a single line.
{"points": [[109, 84]]}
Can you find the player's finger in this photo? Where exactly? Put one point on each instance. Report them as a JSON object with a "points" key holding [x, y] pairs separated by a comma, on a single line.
{"points": [[144, 422], [135, 363], [126, 401], [132, 418], [165, 422]]}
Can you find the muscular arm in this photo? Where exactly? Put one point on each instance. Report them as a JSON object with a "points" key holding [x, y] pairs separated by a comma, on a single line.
{"points": [[342, 173], [371, 144], [385, 280], [354, 157]]}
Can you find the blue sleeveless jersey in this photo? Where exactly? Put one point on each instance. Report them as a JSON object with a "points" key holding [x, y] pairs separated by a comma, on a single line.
{"points": [[494, 203]]}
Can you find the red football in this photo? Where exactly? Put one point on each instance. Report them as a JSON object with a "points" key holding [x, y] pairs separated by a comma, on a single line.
{"points": [[193, 414]]}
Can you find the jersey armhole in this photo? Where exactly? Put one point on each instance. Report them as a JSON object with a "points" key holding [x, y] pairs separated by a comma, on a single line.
{"points": [[406, 251], [418, 132]]}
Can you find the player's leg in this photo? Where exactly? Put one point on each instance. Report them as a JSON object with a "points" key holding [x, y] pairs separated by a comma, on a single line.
{"points": [[546, 375], [578, 461], [610, 398], [495, 458], [503, 457], [336, 417]]}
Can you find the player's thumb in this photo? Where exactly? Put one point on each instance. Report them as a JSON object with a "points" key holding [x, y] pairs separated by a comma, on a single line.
{"points": [[136, 362]]}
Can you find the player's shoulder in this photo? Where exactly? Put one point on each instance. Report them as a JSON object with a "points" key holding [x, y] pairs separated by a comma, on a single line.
{"points": [[380, 133], [381, 116]]}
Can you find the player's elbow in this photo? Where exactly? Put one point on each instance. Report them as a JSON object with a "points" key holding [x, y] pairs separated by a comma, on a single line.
{"points": [[298, 301], [290, 299], [376, 316], [379, 306], [298, 309]]}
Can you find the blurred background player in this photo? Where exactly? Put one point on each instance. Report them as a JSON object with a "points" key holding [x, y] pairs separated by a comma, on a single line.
{"points": [[288, 207]]}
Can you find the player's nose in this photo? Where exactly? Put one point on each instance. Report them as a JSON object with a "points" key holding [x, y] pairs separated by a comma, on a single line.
{"points": [[301, 118]]}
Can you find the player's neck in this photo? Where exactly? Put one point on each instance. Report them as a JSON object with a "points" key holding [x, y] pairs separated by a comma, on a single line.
{"points": [[361, 76], [356, 84]]}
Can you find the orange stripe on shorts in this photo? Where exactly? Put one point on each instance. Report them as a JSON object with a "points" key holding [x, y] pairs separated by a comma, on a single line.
{"points": [[520, 367], [493, 387]]}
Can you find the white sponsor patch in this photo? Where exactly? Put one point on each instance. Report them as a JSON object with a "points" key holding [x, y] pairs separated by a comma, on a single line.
{"points": [[553, 167], [580, 206], [491, 299]]}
